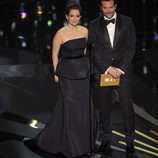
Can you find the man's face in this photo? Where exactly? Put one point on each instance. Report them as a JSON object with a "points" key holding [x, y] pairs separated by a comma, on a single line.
{"points": [[108, 8]]}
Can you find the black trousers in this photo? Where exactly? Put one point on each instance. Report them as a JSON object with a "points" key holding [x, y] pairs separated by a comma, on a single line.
{"points": [[102, 98]]}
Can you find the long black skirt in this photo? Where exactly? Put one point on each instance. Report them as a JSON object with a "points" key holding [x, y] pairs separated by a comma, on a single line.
{"points": [[68, 129]]}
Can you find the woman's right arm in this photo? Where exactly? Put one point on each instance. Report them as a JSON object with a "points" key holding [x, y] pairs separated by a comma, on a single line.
{"points": [[57, 40]]}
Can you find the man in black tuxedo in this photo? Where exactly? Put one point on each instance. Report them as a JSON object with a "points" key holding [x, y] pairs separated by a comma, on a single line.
{"points": [[112, 39]]}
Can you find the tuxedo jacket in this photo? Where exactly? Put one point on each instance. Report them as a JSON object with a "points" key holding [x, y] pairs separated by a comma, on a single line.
{"points": [[122, 52]]}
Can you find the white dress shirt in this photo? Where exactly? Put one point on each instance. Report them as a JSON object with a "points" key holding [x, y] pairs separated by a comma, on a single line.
{"points": [[111, 31], [111, 28]]}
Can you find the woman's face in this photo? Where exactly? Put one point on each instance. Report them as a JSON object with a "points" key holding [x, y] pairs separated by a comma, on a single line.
{"points": [[73, 17]]}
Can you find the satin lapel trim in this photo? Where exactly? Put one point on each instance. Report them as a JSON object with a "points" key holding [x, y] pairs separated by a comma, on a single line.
{"points": [[105, 32], [117, 31]]}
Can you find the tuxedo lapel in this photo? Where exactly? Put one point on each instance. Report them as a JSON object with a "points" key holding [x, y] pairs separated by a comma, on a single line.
{"points": [[105, 31], [117, 30]]}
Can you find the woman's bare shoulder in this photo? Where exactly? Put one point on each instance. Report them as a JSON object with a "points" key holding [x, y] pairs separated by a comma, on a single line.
{"points": [[83, 30], [60, 31]]}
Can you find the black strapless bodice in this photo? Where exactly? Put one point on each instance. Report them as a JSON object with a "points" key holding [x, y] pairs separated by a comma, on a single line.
{"points": [[73, 64]]}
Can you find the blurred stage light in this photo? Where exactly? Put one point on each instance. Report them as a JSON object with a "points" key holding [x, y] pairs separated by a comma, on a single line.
{"points": [[22, 41], [49, 23], [53, 12], [1, 33], [53, 7], [13, 25], [143, 49], [35, 22], [48, 47], [20, 37], [23, 15], [39, 9], [156, 37], [145, 70], [33, 123], [40, 12], [23, 44], [54, 16]]}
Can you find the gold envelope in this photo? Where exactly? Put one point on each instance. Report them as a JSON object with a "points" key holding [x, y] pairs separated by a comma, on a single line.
{"points": [[108, 80]]}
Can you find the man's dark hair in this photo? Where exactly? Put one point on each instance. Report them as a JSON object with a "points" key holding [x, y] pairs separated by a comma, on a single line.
{"points": [[72, 4], [115, 1]]}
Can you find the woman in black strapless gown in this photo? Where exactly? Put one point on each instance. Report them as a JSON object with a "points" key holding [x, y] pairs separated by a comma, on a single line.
{"points": [[68, 129]]}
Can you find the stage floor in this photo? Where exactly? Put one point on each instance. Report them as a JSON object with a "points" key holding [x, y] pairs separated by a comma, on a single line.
{"points": [[14, 129]]}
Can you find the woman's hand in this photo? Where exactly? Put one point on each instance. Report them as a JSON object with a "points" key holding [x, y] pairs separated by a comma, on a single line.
{"points": [[56, 78]]}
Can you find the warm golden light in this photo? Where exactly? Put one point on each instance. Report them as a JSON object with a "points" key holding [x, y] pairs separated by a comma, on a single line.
{"points": [[140, 149], [137, 141]]}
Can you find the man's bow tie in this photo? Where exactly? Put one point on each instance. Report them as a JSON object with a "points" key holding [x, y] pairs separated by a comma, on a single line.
{"points": [[110, 21]]}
